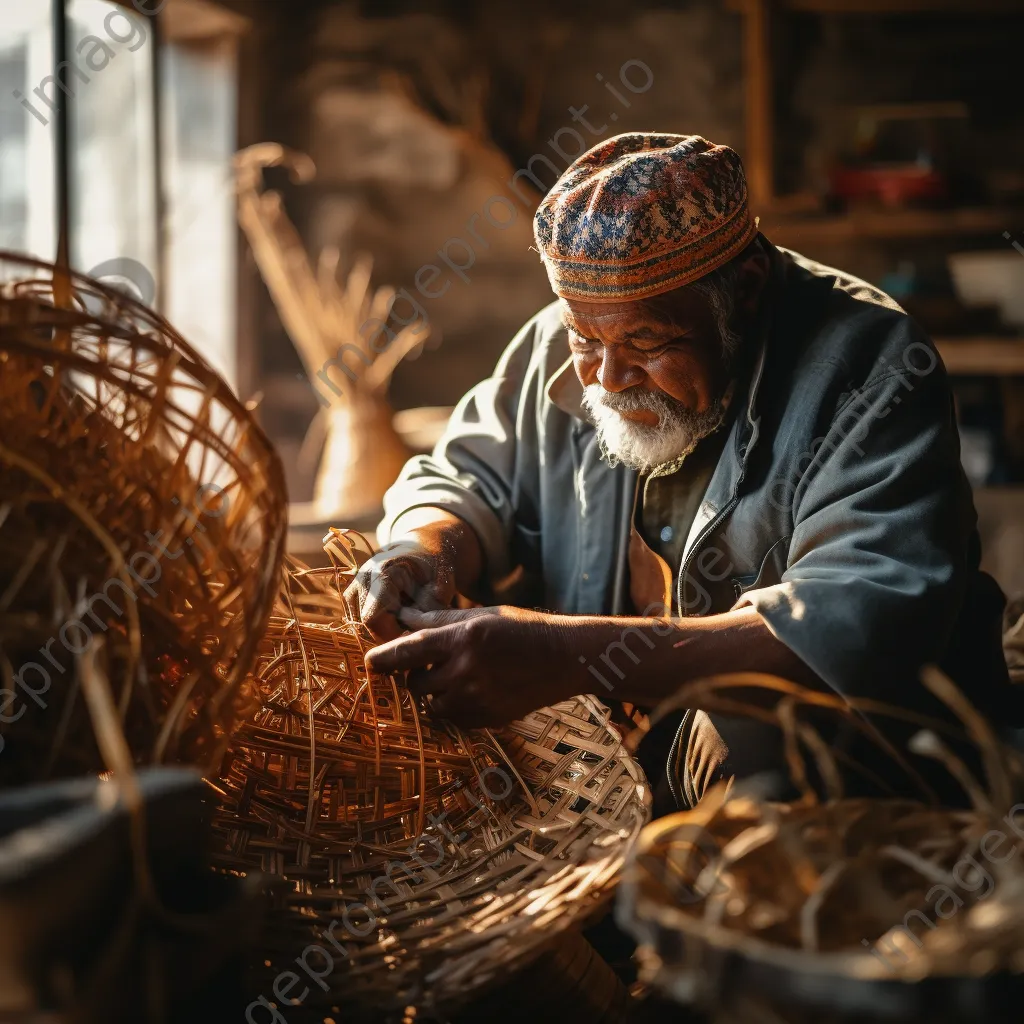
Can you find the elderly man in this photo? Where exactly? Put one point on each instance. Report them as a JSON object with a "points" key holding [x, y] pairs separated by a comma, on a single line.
{"points": [[709, 455]]}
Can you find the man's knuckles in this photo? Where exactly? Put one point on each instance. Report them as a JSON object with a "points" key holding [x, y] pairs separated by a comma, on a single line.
{"points": [[477, 630]]}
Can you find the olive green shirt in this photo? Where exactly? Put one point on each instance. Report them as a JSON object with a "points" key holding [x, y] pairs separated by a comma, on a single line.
{"points": [[669, 501]]}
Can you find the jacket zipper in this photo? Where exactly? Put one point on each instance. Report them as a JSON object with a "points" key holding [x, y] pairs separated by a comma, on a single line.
{"points": [[673, 755], [701, 537]]}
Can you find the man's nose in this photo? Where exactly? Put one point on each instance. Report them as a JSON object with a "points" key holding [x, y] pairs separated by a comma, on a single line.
{"points": [[617, 371]]}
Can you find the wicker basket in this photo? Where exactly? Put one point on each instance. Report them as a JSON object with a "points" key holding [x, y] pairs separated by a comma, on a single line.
{"points": [[437, 860], [142, 522], [837, 911]]}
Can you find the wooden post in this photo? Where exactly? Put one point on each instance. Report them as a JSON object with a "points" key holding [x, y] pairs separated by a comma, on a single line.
{"points": [[758, 158]]}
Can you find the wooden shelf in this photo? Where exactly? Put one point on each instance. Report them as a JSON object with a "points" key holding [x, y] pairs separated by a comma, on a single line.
{"points": [[883, 224], [984, 356], [759, 85], [882, 7]]}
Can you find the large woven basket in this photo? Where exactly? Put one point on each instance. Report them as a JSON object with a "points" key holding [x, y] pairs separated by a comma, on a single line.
{"points": [[422, 862], [142, 522], [845, 910]]}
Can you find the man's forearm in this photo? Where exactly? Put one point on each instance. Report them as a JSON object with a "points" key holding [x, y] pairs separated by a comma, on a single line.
{"points": [[440, 532], [643, 660]]}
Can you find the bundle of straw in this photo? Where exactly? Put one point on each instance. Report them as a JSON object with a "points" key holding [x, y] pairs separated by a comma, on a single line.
{"points": [[340, 331], [142, 522], [437, 860]]}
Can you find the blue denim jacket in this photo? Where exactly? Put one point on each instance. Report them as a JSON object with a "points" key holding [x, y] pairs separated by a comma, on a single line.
{"points": [[838, 509]]}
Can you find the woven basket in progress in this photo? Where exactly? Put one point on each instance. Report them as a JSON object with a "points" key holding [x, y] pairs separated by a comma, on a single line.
{"points": [[423, 861]]}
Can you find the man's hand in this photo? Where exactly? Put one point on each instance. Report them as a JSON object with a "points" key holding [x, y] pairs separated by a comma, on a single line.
{"points": [[483, 666], [404, 573], [434, 555], [488, 666]]}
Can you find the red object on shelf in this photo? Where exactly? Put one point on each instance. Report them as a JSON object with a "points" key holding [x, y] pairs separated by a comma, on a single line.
{"points": [[891, 184]]}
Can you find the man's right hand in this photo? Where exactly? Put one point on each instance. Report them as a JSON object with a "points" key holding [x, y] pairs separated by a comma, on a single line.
{"points": [[413, 570]]}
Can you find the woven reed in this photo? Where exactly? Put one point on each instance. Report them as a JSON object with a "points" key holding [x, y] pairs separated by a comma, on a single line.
{"points": [[142, 517], [340, 781], [745, 906]]}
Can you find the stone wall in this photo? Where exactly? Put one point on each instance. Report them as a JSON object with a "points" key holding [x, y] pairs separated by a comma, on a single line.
{"points": [[418, 123]]}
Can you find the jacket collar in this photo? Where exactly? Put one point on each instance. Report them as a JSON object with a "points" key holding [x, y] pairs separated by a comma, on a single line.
{"points": [[565, 391]]}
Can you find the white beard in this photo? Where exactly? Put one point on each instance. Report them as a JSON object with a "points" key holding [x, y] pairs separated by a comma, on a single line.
{"points": [[637, 445]]}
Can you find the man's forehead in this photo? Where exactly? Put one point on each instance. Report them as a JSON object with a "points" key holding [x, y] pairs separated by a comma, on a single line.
{"points": [[624, 319], [611, 314]]}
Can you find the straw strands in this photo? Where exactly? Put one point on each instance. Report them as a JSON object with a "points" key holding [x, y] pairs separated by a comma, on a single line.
{"points": [[747, 906]]}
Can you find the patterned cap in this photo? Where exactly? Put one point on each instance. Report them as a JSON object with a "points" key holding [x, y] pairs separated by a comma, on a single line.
{"points": [[641, 214]]}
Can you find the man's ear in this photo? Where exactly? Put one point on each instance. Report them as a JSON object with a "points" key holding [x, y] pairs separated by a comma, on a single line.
{"points": [[753, 276]]}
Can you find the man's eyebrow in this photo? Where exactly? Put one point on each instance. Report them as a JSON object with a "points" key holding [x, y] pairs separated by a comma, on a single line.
{"points": [[571, 326], [644, 333]]}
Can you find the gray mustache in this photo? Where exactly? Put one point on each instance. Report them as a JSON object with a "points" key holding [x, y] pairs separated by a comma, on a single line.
{"points": [[633, 399]]}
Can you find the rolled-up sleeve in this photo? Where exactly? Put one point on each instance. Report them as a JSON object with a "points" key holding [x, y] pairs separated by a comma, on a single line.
{"points": [[882, 519], [476, 469]]}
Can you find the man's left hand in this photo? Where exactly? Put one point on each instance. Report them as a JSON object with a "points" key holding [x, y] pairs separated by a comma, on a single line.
{"points": [[483, 666]]}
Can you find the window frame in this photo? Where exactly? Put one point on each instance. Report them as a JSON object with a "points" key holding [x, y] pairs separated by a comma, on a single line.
{"points": [[225, 22]]}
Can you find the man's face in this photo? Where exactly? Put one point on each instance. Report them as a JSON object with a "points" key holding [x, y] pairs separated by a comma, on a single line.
{"points": [[654, 379]]}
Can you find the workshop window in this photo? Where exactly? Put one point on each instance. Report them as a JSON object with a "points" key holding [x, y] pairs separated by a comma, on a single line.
{"points": [[151, 108], [198, 136], [27, 220], [112, 137]]}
